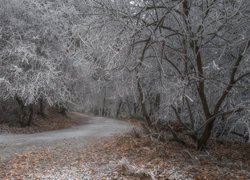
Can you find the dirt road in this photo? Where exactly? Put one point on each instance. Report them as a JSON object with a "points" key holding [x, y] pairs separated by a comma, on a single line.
{"points": [[92, 128]]}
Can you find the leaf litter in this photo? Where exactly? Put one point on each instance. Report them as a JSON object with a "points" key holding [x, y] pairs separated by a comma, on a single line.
{"points": [[130, 157]]}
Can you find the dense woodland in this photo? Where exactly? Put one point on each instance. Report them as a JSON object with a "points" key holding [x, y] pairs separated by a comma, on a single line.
{"points": [[182, 66]]}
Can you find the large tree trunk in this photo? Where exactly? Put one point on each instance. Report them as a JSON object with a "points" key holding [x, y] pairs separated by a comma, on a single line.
{"points": [[210, 122], [202, 142]]}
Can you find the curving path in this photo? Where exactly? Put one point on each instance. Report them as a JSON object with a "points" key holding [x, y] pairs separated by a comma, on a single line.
{"points": [[71, 138]]}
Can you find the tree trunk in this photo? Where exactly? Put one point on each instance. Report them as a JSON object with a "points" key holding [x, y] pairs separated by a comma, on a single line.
{"points": [[42, 108], [135, 107], [119, 108], [23, 119], [129, 109], [202, 142], [31, 114], [23, 114], [63, 111], [143, 106], [155, 103], [104, 102]]}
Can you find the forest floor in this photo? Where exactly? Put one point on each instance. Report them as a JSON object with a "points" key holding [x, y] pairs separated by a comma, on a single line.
{"points": [[127, 155], [52, 121]]}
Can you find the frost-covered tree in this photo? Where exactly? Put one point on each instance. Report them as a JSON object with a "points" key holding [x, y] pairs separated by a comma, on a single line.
{"points": [[185, 60], [38, 48], [163, 60]]}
